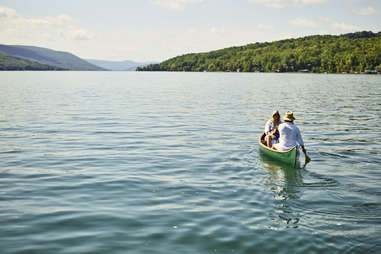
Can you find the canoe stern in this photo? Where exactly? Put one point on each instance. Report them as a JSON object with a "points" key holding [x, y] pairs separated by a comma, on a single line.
{"points": [[288, 157]]}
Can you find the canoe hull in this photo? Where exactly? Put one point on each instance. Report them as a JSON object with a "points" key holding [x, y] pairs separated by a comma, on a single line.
{"points": [[287, 157]]}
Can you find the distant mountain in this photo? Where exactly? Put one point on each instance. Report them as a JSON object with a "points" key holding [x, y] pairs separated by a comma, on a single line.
{"points": [[50, 57], [11, 63], [118, 65]]}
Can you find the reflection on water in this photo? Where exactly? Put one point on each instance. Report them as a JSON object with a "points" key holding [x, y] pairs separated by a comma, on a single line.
{"points": [[284, 182], [288, 185]]}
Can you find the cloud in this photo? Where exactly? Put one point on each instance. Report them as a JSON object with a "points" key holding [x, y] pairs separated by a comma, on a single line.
{"points": [[176, 5], [265, 27], [325, 24], [150, 44], [8, 13], [304, 23], [81, 34], [345, 27], [15, 28], [62, 32], [217, 30], [365, 11], [338, 26], [285, 3]]}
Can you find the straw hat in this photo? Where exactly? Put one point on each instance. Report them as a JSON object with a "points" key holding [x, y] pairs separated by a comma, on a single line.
{"points": [[289, 116]]}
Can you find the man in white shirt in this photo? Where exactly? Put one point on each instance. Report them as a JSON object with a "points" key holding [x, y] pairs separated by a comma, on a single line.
{"points": [[289, 135]]}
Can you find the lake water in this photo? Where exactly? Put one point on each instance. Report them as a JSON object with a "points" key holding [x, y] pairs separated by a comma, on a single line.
{"points": [[137, 162]]}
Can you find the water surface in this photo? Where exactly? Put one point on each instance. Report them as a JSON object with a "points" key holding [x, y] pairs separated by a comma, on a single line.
{"points": [[125, 162]]}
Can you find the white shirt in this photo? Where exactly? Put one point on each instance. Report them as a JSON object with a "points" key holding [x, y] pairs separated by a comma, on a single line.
{"points": [[289, 136]]}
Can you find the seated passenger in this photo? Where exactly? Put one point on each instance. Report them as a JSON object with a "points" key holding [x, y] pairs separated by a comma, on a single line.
{"points": [[271, 129]]}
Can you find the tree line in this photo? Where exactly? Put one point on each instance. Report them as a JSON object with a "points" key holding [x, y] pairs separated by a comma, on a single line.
{"points": [[351, 53]]}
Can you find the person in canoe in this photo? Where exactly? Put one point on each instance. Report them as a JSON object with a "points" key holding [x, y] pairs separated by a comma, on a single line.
{"points": [[271, 129], [289, 135]]}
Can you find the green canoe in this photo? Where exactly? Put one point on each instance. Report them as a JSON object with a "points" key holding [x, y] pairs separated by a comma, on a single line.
{"points": [[288, 157]]}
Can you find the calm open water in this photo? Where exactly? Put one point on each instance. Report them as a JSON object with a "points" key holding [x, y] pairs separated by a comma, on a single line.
{"points": [[125, 162]]}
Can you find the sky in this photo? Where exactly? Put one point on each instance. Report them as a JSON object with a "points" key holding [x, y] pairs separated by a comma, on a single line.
{"points": [[156, 30]]}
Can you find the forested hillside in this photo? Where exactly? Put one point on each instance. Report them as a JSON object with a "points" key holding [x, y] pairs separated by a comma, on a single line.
{"points": [[11, 63], [50, 57], [351, 53]]}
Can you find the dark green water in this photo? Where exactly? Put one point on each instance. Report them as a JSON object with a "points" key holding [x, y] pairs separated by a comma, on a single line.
{"points": [[123, 162]]}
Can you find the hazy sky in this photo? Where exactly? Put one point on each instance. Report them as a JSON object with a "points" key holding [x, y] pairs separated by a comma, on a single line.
{"points": [[155, 30]]}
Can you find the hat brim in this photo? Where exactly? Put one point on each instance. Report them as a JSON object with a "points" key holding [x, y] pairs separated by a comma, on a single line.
{"points": [[288, 118]]}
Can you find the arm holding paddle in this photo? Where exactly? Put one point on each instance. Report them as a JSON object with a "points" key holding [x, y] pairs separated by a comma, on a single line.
{"points": [[308, 159], [300, 141]]}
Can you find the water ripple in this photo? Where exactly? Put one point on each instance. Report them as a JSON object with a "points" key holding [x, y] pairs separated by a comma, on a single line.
{"points": [[169, 163]]}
